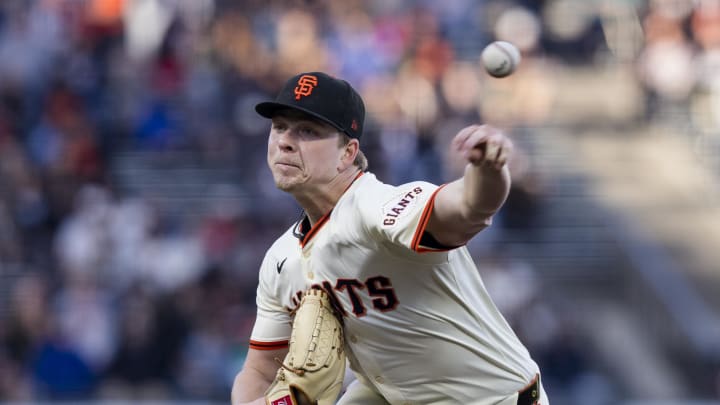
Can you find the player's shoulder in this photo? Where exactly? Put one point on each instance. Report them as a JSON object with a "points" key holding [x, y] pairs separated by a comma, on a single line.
{"points": [[372, 189], [386, 195], [374, 200], [283, 248], [286, 239], [283, 244]]}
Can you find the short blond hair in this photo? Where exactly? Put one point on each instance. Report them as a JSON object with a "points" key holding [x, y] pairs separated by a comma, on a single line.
{"points": [[360, 160]]}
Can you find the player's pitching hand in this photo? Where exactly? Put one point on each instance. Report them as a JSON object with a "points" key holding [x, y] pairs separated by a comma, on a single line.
{"points": [[483, 145]]}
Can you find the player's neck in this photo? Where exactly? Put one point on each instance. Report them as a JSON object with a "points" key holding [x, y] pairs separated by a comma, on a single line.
{"points": [[320, 200]]}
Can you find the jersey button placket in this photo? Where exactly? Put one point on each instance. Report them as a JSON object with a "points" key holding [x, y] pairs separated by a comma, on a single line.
{"points": [[307, 268]]}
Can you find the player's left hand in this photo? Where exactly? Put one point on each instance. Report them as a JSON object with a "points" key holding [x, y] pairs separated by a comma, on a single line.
{"points": [[312, 372], [483, 145]]}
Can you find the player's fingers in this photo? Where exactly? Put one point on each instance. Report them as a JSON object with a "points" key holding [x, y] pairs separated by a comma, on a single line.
{"points": [[475, 156], [483, 145], [504, 154], [493, 150], [462, 136], [488, 140], [502, 158], [476, 139]]}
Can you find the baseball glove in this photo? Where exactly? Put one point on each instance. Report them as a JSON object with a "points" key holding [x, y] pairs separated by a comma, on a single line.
{"points": [[314, 368]]}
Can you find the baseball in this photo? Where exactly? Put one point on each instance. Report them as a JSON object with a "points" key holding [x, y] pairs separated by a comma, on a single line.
{"points": [[500, 58]]}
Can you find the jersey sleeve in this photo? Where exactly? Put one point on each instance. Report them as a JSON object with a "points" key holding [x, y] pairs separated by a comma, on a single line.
{"points": [[400, 215], [273, 324]]}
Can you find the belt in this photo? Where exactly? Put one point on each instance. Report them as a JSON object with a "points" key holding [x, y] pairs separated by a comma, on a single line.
{"points": [[530, 395]]}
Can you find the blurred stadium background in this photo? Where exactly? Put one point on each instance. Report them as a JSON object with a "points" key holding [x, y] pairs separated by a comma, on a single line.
{"points": [[135, 204]]}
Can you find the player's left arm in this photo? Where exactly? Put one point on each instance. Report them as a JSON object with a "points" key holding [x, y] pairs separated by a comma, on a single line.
{"points": [[465, 206]]}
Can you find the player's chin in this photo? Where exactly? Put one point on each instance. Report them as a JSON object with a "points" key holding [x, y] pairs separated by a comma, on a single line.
{"points": [[286, 184], [290, 182]]}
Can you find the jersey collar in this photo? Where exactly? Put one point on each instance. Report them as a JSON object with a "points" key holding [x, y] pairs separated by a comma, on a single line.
{"points": [[302, 228]]}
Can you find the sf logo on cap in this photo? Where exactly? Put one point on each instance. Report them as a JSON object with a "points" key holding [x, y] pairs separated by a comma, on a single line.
{"points": [[305, 86]]}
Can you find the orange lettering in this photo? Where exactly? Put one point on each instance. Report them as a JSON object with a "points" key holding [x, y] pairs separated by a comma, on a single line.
{"points": [[306, 85]]}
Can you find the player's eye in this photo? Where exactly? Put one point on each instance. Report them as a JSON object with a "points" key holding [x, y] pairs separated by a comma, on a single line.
{"points": [[279, 126], [307, 131]]}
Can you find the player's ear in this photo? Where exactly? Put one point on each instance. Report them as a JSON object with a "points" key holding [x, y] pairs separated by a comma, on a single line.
{"points": [[349, 152]]}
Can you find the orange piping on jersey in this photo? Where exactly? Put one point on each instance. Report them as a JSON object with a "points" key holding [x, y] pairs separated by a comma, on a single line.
{"points": [[424, 219], [356, 177], [254, 344], [319, 224], [313, 230]]}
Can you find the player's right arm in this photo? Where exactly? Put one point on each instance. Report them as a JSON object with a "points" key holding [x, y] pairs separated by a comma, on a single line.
{"points": [[268, 339], [466, 206], [256, 376]]}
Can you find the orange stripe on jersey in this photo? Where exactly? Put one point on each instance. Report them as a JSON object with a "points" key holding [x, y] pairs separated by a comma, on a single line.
{"points": [[424, 219], [356, 177], [254, 344], [319, 224]]}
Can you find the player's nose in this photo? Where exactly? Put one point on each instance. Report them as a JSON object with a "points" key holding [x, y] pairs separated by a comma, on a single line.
{"points": [[286, 141]]}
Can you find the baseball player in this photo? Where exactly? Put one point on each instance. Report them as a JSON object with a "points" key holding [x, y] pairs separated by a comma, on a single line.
{"points": [[419, 326]]}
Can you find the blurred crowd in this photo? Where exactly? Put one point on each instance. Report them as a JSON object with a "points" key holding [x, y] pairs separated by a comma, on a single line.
{"points": [[103, 294]]}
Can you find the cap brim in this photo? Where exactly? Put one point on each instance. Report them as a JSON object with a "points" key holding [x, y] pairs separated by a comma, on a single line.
{"points": [[268, 109]]}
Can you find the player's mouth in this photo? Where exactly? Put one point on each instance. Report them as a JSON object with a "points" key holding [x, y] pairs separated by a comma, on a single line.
{"points": [[286, 165]]}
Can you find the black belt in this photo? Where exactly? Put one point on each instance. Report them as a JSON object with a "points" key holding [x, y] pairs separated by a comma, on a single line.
{"points": [[530, 395]]}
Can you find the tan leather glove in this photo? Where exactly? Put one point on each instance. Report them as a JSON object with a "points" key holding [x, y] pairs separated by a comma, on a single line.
{"points": [[314, 368]]}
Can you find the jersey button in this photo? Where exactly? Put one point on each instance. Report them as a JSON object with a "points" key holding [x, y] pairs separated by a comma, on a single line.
{"points": [[306, 253], [353, 339], [379, 380], [310, 275]]}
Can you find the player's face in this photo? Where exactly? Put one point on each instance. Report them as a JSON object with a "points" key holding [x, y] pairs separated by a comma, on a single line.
{"points": [[302, 151]]}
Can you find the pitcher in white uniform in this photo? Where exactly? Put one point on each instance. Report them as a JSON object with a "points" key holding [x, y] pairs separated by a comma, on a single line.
{"points": [[420, 326]]}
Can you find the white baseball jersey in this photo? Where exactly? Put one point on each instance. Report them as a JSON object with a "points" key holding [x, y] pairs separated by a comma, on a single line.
{"points": [[420, 327]]}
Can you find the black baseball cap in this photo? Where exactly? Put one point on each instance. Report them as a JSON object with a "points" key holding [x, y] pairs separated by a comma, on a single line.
{"points": [[321, 96]]}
